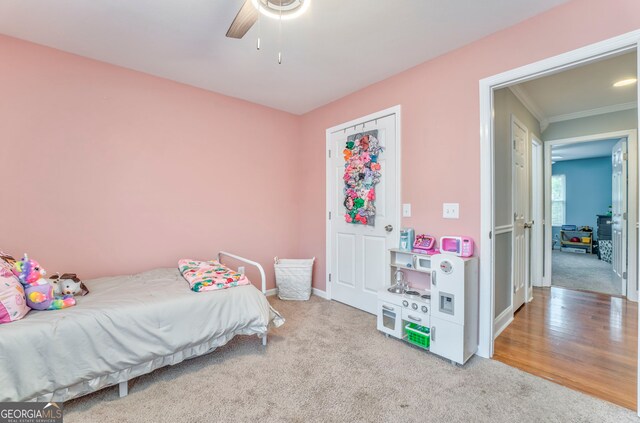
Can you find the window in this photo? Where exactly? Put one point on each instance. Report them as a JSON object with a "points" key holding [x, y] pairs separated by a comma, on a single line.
{"points": [[558, 200]]}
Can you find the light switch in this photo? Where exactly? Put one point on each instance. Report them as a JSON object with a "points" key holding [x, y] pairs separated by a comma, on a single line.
{"points": [[406, 210], [451, 210]]}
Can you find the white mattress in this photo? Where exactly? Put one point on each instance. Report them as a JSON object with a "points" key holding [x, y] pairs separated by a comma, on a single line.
{"points": [[127, 326]]}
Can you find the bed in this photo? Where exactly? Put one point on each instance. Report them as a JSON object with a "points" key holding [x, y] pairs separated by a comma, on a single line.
{"points": [[126, 327]]}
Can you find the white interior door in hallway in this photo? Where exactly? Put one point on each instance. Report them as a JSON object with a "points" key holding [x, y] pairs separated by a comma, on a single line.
{"points": [[358, 252], [520, 257], [619, 212]]}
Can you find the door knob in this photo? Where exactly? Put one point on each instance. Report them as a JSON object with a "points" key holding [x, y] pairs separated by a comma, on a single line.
{"points": [[388, 228], [528, 225]]}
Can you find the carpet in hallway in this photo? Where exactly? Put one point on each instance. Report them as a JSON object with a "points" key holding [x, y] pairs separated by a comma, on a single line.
{"points": [[583, 271]]}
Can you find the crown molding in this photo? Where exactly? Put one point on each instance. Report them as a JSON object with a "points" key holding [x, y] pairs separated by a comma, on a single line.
{"points": [[530, 105], [593, 112]]}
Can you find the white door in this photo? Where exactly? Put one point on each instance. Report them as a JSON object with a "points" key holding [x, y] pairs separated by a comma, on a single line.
{"points": [[359, 249], [520, 258], [619, 212]]}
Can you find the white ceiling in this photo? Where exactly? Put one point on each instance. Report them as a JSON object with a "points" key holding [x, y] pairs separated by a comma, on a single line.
{"points": [[336, 48], [583, 91], [583, 150]]}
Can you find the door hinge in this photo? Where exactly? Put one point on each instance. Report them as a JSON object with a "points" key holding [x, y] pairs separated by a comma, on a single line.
{"points": [[329, 153], [624, 275], [329, 215], [514, 288], [490, 233], [329, 277], [624, 216], [625, 156], [514, 144]]}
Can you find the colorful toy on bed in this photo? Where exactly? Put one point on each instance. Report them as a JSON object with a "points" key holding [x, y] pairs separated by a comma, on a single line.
{"points": [[37, 289], [68, 284], [210, 275]]}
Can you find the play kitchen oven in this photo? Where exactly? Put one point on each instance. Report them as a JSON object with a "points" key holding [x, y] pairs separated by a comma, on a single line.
{"points": [[443, 319]]}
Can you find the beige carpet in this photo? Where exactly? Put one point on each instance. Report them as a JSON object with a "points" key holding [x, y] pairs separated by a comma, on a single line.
{"points": [[583, 271], [328, 363]]}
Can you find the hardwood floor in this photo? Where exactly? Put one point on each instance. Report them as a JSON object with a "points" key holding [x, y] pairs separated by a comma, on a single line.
{"points": [[583, 340]]}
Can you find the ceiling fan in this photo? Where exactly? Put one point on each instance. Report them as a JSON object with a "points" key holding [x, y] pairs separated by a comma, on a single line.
{"points": [[276, 9]]}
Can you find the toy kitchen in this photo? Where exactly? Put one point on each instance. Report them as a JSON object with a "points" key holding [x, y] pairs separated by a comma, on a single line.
{"points": [[433, 302]]}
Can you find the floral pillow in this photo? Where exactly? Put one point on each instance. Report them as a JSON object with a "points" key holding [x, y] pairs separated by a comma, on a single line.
{"points": [[13, 304]]}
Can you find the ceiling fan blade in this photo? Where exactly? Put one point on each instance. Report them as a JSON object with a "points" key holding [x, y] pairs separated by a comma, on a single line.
{"points": [[243, 21]]}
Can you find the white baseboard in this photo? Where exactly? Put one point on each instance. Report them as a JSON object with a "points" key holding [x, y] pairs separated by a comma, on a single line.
{"points": [[271, 292], [319, 293], [502, 321]]}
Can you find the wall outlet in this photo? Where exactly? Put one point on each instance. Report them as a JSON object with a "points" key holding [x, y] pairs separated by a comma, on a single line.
{"points": [[241, 270], [451, 210], [406, 210]]}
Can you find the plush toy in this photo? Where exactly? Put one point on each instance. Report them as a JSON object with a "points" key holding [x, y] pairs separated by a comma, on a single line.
{"points": [[37, 289], [68, 284], [57, 288]]}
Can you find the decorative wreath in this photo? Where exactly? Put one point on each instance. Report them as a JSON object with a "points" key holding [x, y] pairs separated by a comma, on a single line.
{"points": [[361, 175]]}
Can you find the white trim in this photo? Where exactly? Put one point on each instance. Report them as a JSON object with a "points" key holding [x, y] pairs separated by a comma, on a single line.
{"points": [[504, 229], [530, 105], [593, 112], [590, 53], [395, 110], [632, 188], [486, 305], [328, 201], [271, 292], [320, 293], [502, 321], [537, 213], [632, 218]]}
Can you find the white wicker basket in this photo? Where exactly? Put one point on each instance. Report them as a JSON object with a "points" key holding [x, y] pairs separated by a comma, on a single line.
{"points": [[293, 278]]}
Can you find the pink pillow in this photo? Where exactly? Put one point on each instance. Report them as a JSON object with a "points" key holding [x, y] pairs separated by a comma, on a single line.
{"points": [[13, 304]]}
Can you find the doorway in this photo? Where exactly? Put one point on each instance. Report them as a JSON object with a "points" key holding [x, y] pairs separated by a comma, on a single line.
{"points": [[363, 206], [495, 314], [589, 175]]}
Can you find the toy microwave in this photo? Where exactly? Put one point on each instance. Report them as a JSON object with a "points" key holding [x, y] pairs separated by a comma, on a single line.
{"points": [[461, 246]]}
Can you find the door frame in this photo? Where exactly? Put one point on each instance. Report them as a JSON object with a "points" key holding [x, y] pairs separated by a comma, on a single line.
{"points": [[632, 201], [537, 213], [606, 48], [329, 213], [623, 43]]}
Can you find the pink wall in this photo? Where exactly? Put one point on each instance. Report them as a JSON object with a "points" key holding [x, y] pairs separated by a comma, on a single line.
{"points": [[117, 169], [441, 117], [109, 171]]}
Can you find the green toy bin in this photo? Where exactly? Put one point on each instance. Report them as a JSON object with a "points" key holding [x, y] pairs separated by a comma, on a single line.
{"points": [[417, 335]]}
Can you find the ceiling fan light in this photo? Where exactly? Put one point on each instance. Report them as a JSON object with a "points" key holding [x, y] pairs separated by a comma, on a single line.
{"points": [[273, 13]]}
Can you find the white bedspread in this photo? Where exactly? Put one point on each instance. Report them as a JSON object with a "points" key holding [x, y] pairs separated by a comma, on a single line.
{"points": [[127, 326]]}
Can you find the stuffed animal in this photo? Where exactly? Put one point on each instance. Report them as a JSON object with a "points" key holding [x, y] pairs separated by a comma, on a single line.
{"points": [[68, 284], [37, 289], [57, 289]]}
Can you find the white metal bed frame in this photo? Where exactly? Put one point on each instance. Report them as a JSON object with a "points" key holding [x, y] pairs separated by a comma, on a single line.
{"points": [[123, 387]]}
